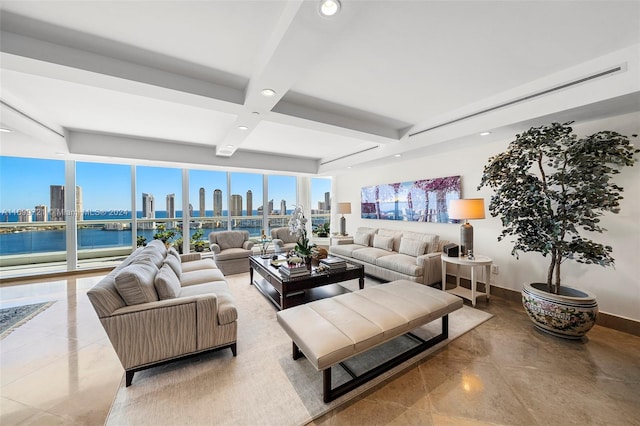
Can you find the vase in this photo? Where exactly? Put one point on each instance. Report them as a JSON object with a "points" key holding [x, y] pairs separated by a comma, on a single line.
{"points": [[570, 314]]}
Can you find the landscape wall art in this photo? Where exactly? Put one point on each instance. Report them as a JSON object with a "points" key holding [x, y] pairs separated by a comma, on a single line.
{"points": [[424, 200]]}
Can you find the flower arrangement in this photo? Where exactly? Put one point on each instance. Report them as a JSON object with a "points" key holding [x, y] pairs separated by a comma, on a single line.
{"points": [[298, 226]]}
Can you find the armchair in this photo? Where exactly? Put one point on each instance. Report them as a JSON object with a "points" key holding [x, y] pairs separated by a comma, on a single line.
{"points": [[231, 251], [283, 240]]}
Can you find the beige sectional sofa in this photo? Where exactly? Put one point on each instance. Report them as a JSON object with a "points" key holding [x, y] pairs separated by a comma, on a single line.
{"points": [[395, 255], [158, 306]]}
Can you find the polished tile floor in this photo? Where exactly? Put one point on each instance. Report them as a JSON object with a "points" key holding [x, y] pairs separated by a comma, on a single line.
{"points": [[59, 368]]}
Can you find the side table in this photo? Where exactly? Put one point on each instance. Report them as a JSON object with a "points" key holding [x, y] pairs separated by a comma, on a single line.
{"points": [[338, 240], [479, 262]]}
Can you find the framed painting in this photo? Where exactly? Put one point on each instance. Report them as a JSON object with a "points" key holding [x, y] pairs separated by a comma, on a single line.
{"points": [[424, 200]]}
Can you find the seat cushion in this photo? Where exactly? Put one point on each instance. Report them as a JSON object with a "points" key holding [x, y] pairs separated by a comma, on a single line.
{"points": [[194, 265], [135, 283], [201, 276], [401, 263], [233, 253], [167, 283], [345, 249], [370, 254], [227, 311]]}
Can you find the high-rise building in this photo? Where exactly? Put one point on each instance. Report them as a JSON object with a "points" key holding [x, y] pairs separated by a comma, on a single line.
{"points": [[190, 210], [171, 205], [24, 215], [148, 211], [270, 211], [217, 203], [203, 211], [41, 213], [236, 205], [56, 202], [249, 203], [283, 207], [327, 201]]}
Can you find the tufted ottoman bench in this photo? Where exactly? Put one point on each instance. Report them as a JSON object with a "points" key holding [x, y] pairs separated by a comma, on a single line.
{"points": [[330, 331]]}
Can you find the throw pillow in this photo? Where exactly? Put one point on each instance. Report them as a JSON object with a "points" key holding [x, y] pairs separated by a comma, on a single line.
{"points": [[175, 264], [172, 251], [135, 283], [384, 243], [167, 283], [412, 247], [362, 238]]}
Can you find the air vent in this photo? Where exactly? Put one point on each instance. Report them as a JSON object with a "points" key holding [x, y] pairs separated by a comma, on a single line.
{"points": [[349, 155], [563, 86]]}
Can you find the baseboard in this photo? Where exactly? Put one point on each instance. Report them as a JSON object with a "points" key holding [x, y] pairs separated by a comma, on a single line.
{"points": [[614, 322]]}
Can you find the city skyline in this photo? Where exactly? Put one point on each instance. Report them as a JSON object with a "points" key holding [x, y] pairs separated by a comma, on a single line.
{"points": [[98, 180]]}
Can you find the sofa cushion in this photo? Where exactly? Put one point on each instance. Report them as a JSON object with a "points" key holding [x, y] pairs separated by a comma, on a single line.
{"points": [[412, 247], [194, 265], [370, 254], [227, 311], [382, 242], [233, 253], [431, 239], [345, 249], [201, 276], [135, 283], [230, 239], [174, 263], [362, 238], [167, 283], [402, 263], [173, 252], [396, 235]]}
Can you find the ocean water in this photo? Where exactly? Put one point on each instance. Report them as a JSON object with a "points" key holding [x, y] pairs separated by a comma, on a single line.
{"points": [[42, 241]]}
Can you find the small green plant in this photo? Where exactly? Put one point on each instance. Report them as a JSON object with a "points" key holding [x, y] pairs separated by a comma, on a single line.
{"points": [[198, 243], [141, 241], [163, 234]]}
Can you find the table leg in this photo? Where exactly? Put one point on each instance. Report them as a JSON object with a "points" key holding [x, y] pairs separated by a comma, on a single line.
{"points": [[487, 280], [473, 285], [250, 276], [444, 274], [361, 282]]}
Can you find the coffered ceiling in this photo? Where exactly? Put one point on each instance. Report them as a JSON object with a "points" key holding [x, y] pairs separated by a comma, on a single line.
{"points": [[181, 81]]}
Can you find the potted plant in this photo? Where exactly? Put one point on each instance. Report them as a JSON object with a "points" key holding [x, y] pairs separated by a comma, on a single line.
{"points": [[551, 188], [198, 243], [141, 241], [323, 230], [163, 234], [298, 226]]}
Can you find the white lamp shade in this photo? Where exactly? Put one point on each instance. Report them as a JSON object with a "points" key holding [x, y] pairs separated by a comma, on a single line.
{"points": [[466, 209], [344, 208]]}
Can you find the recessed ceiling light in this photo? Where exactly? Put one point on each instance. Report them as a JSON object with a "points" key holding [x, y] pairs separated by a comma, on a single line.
{"points": [[485, 133], [268, 92], [397, 155], [255, 113], [3, 130], [230, 146], [329, 7], [243, 128]]}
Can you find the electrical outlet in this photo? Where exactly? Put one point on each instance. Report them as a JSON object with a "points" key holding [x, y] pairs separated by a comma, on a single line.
{"points": [[494, 269]]}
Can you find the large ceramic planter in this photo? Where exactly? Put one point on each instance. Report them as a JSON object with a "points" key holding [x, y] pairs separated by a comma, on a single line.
{"points": [[570, 314]]}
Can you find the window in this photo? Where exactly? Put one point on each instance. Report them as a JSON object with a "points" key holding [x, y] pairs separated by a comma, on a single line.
{"points": [[208, 196], [246, 203], [104, 228], [158, 200], [33, 211], [321, 202], [282, 194]]}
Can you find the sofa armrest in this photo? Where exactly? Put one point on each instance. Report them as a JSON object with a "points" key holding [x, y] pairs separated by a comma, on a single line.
{"points": [[190, 257], [248, 245], [215, 249], [277, 243], [431, 266], [157, 331]]}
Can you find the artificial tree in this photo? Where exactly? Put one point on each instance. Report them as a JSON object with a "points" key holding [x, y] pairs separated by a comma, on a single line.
{"points": [[551, 186]]}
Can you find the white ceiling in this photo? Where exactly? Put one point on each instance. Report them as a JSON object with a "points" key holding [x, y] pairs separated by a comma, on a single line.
{"points": [[113, 78]]}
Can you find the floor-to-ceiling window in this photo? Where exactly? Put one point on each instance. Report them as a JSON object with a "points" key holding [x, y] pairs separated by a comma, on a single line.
{"points": [[321, 203], [32, 227], [104, 227], [158, 203], [208, 196], [281, 192], [246, 203]]}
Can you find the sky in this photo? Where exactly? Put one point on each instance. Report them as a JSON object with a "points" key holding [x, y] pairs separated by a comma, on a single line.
{"points": [[25, 183]]}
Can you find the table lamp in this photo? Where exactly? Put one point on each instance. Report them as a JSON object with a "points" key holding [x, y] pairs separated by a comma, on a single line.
{"points": [[344, 208], [466, 209]]}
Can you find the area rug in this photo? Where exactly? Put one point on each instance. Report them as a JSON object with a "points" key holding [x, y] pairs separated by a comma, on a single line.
{"points": [[13, 317], [263, 385]]}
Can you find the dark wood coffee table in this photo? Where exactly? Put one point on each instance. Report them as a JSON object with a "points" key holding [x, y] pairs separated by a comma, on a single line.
{"points": [[286, 292]]}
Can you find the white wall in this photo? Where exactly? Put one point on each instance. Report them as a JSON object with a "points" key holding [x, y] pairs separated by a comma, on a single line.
{"points": [[617, 289]]}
